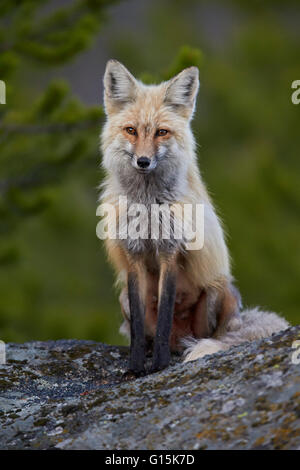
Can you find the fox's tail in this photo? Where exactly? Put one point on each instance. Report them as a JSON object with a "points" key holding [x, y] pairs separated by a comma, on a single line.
{"points": [[253, 324]]}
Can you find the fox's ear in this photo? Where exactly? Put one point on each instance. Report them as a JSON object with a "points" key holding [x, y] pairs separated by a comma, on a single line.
{"points": [[182, 91], [119, 86]]}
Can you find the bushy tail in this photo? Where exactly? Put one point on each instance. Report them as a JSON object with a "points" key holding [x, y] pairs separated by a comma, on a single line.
{"points": [[254, 324]]}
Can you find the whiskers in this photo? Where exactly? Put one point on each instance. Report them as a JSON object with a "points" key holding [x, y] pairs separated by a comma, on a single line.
{"points": [[129, 154]]}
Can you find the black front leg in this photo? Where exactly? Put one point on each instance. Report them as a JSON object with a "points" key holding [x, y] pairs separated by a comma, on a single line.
{"points": [[137, 343], [161, 356]]}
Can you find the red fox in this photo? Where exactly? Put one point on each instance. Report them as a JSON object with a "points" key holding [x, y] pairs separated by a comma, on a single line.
{"points": [[179, 299]]}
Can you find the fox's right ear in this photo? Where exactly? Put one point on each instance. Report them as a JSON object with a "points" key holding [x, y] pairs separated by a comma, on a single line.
{"points": [[120, 86]]}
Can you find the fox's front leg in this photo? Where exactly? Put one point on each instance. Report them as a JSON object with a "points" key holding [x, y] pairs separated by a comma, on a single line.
{"points": [[166, 302], [137, 314]]}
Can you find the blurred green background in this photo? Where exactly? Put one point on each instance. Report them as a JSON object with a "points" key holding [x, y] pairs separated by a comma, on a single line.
{"points": [[54, 279]]}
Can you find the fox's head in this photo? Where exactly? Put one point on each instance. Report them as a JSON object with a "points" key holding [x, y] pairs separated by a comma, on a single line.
{"points": [[147, 129]]}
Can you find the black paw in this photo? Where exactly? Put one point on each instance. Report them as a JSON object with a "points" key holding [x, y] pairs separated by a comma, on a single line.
{"points": [[133, 374], [161, 359], [158, 367]]}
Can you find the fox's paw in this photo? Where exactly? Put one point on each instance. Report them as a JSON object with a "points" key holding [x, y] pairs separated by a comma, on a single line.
{"points": [[195, 349], [132, 374]]}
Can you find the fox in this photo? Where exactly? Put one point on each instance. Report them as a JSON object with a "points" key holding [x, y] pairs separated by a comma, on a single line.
{"points": [[172, 299]]}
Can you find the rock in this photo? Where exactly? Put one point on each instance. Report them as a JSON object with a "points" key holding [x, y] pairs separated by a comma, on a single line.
{"points": [[72, 395]]}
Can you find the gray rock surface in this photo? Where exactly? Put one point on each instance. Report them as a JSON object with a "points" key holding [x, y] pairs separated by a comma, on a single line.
{"points": [[72, 395]]}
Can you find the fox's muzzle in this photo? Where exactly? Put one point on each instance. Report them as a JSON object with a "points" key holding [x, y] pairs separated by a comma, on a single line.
{"points": [[144, 164]]}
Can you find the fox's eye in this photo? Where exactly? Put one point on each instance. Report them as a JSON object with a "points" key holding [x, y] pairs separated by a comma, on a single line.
{"points": [[161, 132], [131, 130]]}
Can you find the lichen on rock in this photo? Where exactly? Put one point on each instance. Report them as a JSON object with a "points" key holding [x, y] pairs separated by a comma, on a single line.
{"points": [[71, 394]]}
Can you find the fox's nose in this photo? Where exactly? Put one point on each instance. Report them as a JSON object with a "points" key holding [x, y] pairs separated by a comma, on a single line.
{"points": [[143, 162]]}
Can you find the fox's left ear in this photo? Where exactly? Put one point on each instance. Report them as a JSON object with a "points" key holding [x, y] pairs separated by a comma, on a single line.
{"points": [[182, 91], [120, 86]]}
